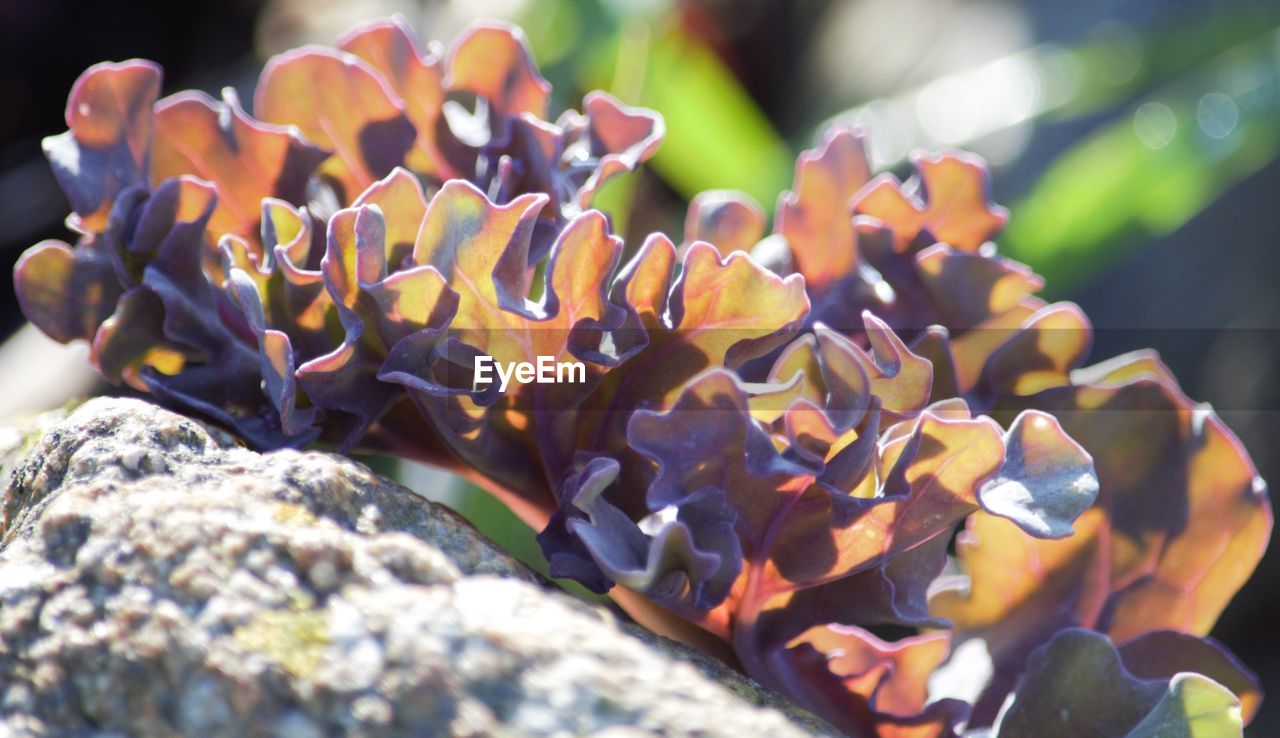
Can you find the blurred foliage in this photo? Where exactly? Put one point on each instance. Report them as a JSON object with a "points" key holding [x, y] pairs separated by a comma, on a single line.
{"points": [[650, 60], [1155, 165], [727, 144]]}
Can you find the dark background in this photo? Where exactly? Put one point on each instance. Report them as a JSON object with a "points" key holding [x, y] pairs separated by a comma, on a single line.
{"points": [[1176, 247]]}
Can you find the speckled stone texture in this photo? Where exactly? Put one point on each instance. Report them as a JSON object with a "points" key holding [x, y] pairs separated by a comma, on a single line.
{"points": [[156, 580]]}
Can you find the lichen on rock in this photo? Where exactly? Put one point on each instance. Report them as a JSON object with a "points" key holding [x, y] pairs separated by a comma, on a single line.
{"points": [[158, 579]]}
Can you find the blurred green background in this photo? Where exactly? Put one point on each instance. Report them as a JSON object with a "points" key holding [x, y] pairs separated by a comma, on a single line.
{"points": [[1135, 141]]}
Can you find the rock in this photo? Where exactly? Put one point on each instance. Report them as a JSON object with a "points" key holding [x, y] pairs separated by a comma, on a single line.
{"points": [[156, 579]]}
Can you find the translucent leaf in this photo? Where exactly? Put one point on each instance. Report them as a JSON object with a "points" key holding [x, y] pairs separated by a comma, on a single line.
{"points": [[108, 148], [341, 104], [245, 161], [949, 201], [815, 216]]}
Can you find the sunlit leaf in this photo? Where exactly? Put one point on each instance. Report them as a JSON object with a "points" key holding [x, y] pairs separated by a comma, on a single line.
{"points": [[108, 148], [341, 104], [815, 215], [66, 292], [392, 48], [728, 220], [949, 200], [492, 60], [245, 161]]}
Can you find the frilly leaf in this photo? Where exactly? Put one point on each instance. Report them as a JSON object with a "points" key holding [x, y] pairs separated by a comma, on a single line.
{"points": [[815, 216], [377, 311], [341, 104], [108, 148], [924, 477], [716, 313], [1180, 521], [607, 140], [730, 221], [246, 161], [391, 47], [1039, 355], [892, 676], [949, 201], [404, 206], [970, 289], [1192, 706], [1211, 519], [695, 557], [1047, 480], [871, 687], [66, 292], [480, 248], [492, 60], [901, 379], [568, 553], [732, 309], [1078, 685], [133, 338], [277, 359], [501, 143]]}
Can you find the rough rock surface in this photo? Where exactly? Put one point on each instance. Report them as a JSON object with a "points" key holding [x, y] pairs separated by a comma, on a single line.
{"points": [[155, 579]]}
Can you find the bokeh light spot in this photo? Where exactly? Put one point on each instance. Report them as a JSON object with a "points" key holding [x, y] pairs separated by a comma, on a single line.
{"points": [[1217, 114], [1155, 125]]}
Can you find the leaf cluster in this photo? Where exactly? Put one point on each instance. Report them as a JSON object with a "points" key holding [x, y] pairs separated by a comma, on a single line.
{"points": [[779, 433]]}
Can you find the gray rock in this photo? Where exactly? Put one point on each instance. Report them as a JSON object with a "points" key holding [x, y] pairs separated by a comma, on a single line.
{"points": [[156, 579]]}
